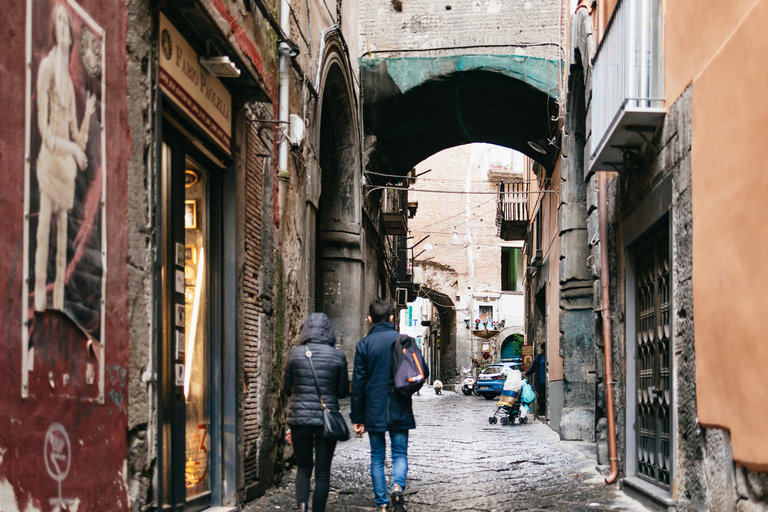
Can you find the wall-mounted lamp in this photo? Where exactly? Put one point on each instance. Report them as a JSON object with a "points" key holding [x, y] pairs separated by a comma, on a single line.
{"points": [[295, 129], [455, 238], [220, 66], [536, 147], [466, 321]]}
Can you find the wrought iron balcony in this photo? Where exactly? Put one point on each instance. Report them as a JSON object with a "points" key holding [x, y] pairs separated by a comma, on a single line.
{"points": [[512, 210], [395, 223], [627, 83]]}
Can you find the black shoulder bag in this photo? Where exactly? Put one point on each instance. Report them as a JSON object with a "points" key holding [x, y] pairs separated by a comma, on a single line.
{"points": [[334, 426]]}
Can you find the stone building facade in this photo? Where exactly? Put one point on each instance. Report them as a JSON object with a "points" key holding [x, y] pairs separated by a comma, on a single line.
{"points": [[65, 389], [192, 251], [671, 312], [460, 254]]}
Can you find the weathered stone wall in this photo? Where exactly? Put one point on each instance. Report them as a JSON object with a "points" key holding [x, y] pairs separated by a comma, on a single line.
{"points": [[259, 418], [524, 27], [705, 476], [575, 272], [142, 390], [259, 350]]}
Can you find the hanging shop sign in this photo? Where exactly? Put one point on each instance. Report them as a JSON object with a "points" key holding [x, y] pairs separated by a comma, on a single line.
{"points": [[527, 351], [199, 94]]}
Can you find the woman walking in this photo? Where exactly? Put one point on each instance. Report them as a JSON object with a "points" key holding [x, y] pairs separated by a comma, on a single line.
{"points": [[305, 415]]}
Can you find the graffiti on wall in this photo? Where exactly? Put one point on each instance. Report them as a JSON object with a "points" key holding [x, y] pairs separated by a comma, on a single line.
{"points": [[65, 188], [57, 452]]}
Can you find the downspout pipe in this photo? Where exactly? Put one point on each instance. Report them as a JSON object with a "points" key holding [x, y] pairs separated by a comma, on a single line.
{"points": [[600, 21], [283, 95], [605, 308]]}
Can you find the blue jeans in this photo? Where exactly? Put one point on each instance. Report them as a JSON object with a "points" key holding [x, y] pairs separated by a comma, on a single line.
{"points": [[399, 440]]}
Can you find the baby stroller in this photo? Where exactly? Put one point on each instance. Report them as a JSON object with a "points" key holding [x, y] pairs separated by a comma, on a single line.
{"points": [[508, 409], [513, 404]]}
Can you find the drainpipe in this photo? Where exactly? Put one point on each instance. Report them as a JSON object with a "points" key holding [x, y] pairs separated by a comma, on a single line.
{"points": [[600, 21], [606, 313], [284, 52]]}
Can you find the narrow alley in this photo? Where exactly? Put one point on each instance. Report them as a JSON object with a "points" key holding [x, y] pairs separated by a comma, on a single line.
{"points": [[573, 190], [458, 461]]}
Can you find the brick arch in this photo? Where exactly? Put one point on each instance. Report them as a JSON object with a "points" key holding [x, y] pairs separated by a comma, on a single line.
{"points": [[447, 372], [408, 118], [336, 196]]}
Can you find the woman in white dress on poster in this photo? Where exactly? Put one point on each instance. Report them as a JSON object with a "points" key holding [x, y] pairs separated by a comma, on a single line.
{"points": [[62, 153]]}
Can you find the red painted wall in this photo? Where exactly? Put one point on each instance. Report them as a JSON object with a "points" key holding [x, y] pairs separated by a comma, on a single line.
{"points": [[96, 431]]}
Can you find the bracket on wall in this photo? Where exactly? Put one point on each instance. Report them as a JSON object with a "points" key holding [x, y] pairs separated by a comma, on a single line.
{"points": [[641, 130]]}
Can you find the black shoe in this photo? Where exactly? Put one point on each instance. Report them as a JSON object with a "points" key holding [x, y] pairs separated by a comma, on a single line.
{"points": [[398, 501]]}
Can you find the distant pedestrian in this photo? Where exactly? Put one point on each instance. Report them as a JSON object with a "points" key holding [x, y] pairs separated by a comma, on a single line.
{"points": [[539, 367], [377, 409], [305, 413]]}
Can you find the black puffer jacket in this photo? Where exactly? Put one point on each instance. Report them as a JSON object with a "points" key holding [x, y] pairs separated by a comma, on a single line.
{"points": [[331, 368]]}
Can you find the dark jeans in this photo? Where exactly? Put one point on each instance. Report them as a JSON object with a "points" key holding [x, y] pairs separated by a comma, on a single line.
{"points": [[541, 400], [305, 441]]}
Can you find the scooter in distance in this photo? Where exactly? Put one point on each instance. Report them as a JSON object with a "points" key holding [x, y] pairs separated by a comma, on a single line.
{"points": [[468, 385]]}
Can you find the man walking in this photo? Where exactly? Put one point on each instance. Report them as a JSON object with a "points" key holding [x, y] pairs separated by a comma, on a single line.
{"points": [[377, 409]]}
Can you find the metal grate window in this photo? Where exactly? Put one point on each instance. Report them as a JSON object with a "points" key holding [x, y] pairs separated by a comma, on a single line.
{"points": [[654, 420]]}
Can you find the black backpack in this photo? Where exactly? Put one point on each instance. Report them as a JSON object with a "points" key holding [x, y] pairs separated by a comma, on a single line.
{"points": [[408, 371]]}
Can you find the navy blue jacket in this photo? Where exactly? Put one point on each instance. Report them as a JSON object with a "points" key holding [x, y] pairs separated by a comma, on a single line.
{"points": [[539, 367], [371, 389]]}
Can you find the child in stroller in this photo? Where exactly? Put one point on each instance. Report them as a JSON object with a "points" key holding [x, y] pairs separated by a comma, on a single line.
{"points": [[512, 404]]}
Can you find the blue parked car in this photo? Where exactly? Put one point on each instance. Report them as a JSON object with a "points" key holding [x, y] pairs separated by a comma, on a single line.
{"points": [[491, 380]]}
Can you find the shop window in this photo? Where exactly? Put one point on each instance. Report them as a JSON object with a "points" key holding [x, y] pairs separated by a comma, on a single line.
{"points": [[196, 374]]}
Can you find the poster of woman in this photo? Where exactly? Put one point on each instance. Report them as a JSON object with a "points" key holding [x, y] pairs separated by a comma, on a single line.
{"points": [[65, 250]]}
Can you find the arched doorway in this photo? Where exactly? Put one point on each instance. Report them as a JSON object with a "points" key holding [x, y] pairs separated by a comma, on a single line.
{"points": [[512, 347], [440, 343], [335, 224]]}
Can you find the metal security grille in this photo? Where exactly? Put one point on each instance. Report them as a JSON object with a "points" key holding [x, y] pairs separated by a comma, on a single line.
{"points": [[653, 361]]}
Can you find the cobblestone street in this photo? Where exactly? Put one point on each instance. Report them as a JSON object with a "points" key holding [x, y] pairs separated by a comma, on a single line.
{"points": [[458, 461]]}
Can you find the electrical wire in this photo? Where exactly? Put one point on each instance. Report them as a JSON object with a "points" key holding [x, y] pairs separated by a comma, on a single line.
{"points": [[460, 213], [465, 47], [444, 180], [470, 192], [451, 232]]}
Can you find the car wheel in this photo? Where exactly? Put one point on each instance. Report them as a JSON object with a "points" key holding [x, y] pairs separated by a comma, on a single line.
{"points": [[489, 396]]}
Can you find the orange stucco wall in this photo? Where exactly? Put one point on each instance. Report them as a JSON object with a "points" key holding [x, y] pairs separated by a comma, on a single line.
{"points": [[730, 234], [551, 250], [610, 6], [693, 33]]}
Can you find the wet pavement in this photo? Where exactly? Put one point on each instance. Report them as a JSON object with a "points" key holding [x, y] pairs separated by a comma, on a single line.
{"points": [[458, 461]]}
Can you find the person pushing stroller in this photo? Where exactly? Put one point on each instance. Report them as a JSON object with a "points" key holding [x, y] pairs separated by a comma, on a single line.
{"points": [[516, 396]]}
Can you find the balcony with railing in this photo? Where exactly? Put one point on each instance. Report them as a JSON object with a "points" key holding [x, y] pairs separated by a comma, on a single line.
{"points": [[512, 210], [627, 83]]}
